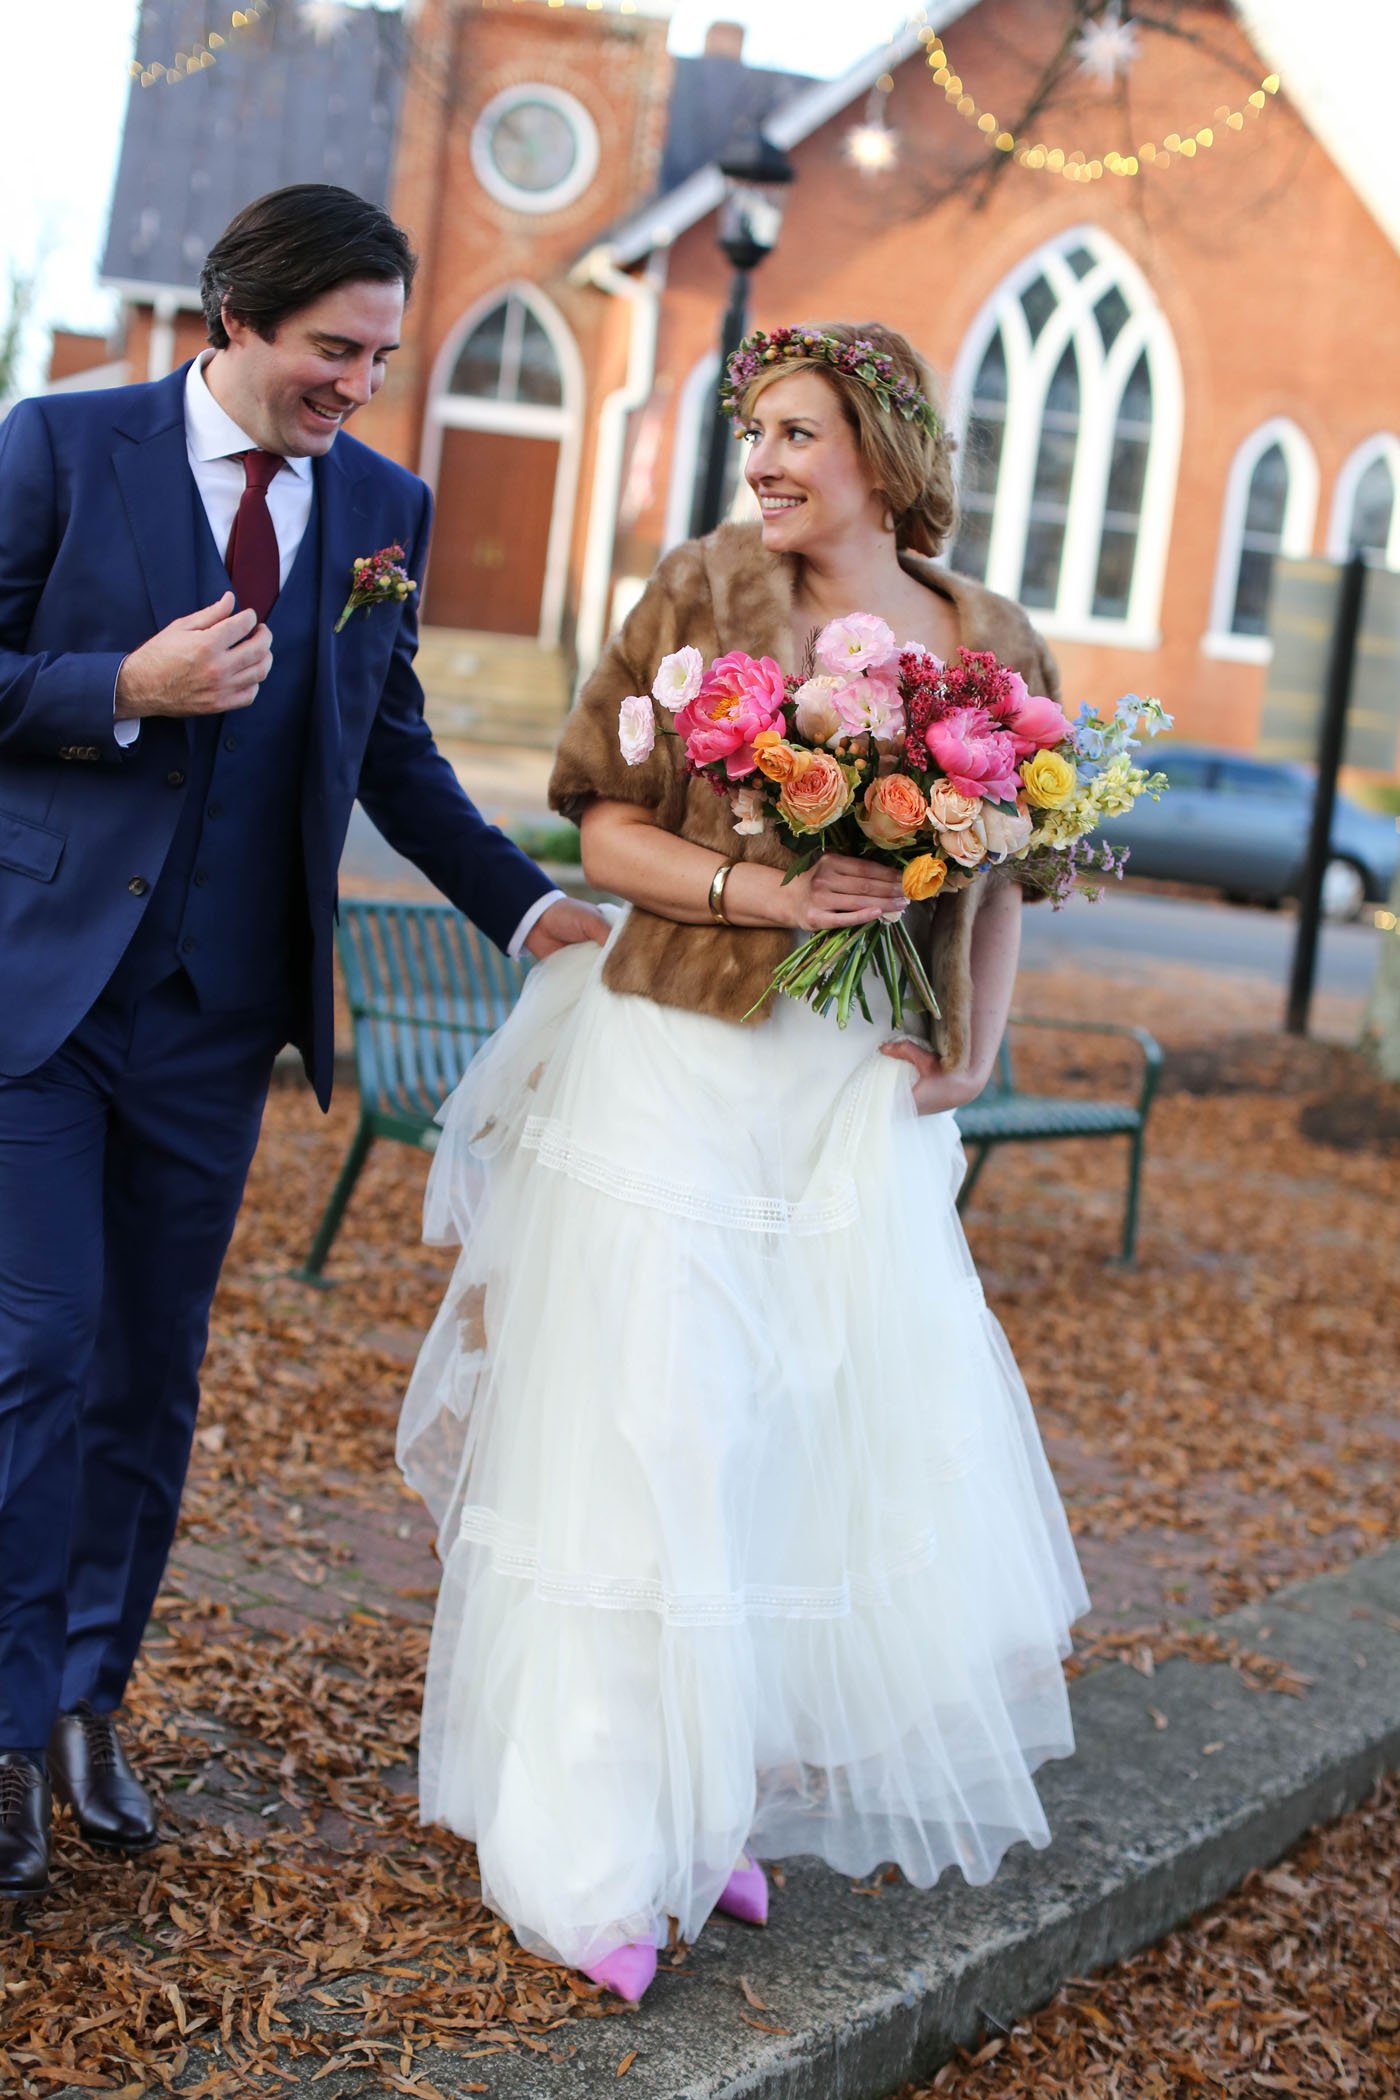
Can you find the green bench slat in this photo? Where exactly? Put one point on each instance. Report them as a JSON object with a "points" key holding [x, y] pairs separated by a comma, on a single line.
{"points": [[1029, 1116]]}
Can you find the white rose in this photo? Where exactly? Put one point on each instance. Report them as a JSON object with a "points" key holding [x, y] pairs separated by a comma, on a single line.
{"points": [[636, 728], [678, 678], [750, 817], [816, 716]]}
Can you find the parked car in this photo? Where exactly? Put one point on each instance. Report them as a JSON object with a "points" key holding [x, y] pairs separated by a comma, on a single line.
{"points": [[1241, 825]]}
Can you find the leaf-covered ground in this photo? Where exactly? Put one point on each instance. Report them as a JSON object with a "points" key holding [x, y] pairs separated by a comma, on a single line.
{"points": [[1221, 1419]]}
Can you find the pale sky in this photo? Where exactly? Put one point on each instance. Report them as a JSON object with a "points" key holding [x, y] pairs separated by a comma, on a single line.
{"points": [[63, 92]]}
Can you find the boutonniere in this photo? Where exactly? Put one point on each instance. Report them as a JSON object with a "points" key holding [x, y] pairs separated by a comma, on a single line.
{"points": [[377, 579]]}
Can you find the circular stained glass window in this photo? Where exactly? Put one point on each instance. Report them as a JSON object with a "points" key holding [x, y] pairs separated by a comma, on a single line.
{"points": [[535, 148]]}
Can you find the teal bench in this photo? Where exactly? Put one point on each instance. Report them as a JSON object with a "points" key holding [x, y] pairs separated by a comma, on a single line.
{"points": [[1003, 1115], [425, 990]]}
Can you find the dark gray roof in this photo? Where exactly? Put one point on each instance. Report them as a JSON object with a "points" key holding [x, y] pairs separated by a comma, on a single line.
{"points": [[281, 105], [711, 98]]}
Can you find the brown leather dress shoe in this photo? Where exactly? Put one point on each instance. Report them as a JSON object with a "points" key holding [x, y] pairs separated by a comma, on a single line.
{"points": [[90, 1772], [24, 1826]]}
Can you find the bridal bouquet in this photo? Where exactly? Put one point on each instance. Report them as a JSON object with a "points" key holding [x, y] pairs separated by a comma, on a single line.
{"points": [[941, 770]]}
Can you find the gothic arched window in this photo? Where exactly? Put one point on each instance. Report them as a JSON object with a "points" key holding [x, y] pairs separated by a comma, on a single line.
{"points": [[1070, 441], [1270, 505], [1366, 507], [508, 357]]}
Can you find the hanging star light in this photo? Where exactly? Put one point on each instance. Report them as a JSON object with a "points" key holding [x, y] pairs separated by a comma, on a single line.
{"points": [[873, 148], [871, 145], [1107, 46]]}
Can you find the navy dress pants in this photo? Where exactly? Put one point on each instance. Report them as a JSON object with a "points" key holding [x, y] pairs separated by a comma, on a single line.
{"points": [[122, 1165]]}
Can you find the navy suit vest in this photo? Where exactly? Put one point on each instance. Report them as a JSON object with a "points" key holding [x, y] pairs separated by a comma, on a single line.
{"points": [[229, 907]]}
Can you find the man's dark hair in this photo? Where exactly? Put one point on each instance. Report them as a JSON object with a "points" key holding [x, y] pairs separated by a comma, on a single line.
{"points": [[291, 247]]}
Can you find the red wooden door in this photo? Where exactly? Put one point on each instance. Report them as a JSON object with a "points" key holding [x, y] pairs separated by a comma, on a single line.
{"points": [[495, 499]]}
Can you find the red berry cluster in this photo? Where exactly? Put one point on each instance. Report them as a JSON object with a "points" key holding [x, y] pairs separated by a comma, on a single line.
{"points": [[932, 690]]}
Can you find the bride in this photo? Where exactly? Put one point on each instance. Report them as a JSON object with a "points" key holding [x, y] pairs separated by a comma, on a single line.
{"points": [[749, 1543]]}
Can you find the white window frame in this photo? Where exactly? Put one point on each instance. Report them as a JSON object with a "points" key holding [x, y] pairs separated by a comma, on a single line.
{"points": [[1030, 368], [1383, 444], [1296, 538], [577, 118], [448, 411], [694, 404]]}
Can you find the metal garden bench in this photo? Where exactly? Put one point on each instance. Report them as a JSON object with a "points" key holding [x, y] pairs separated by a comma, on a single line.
{"points": [[1003, 1115], [425, 990]]}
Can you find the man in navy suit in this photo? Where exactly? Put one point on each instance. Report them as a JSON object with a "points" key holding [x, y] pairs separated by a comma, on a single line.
{"points": [[182, 735]]}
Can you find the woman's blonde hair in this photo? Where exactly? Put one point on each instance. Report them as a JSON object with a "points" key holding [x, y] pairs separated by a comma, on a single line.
{"points": [[912, 467]]}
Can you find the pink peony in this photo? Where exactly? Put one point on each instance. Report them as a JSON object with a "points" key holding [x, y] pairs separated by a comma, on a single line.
{"points": [[741, 696], [1032, 719], [636, 728], [978, 758], [860, 642]]}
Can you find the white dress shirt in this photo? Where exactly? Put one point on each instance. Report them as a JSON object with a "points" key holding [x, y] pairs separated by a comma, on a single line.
{"points": [[211, 439], [211, 436]]}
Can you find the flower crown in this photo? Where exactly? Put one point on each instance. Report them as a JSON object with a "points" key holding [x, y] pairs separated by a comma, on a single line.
{"points": [[893, 389]]}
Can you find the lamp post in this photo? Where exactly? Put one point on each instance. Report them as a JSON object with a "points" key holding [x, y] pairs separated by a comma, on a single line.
{"points": [[756, 174]]}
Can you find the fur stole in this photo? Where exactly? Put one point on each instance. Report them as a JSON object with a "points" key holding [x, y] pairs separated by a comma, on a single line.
{"points": [[727, 592]]}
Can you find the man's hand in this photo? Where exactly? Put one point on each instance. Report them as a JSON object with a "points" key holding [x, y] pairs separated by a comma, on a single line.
{"points": [[564, 923], [206, 664]]}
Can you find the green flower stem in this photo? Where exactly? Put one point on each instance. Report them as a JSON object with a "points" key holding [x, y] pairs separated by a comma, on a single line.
{"points": [[888, 962], [914, 969]]}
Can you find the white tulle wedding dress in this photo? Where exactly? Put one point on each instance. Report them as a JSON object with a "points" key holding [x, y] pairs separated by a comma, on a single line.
{"points": [[748, 1537]]}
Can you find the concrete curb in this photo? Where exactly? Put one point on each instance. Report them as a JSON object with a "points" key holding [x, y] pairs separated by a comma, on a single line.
{"points": [[867, 1991]]}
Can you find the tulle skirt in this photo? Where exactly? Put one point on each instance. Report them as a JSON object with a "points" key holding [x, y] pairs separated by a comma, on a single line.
{"points": [[748, 1537]]}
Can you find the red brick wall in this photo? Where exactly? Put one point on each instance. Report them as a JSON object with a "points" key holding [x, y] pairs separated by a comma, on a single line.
{"points": [[469, 241], [70, 352], [191, 336]]}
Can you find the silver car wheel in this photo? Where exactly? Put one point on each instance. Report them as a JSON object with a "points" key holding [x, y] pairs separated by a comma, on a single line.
{"points": [[1343, 890]]}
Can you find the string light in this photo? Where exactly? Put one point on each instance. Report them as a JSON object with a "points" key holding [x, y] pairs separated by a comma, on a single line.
{"points": [[1078, 166], [202, 54]]}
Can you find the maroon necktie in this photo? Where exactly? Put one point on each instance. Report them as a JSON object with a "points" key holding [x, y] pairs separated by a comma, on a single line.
{"points": [[253, 560]]}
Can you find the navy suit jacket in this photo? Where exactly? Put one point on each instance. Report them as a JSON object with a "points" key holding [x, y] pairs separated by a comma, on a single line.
{"points": [[96, 555]]}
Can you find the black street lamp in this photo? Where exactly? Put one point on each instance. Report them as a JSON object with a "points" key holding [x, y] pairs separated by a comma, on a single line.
{"points": [[756, 175]]}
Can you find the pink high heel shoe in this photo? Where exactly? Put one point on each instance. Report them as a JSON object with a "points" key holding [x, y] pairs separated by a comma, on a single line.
{"points": [[745, 1894], [627, 1970]]}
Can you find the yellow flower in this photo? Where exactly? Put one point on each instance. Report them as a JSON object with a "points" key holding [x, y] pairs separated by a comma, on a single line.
{"points": [[1050, 780], [1060, 827], [1118, 786], [923, 877]]}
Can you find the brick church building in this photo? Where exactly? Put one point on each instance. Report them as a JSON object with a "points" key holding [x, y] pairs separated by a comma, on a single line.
{"points": [[1163, 373]]}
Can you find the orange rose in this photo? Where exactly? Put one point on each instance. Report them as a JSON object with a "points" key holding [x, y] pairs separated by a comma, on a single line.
{"points": [[924, 877], [949, 810], [816, 796], [967, 848], [779, 761], [894, 810]]}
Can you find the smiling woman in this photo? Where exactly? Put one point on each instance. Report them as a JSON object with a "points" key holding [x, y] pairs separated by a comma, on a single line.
{"points": [[734, 1580]]}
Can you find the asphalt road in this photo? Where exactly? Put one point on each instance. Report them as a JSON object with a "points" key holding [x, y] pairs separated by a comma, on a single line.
{"points": [[1124, 928], [1238, 940]]}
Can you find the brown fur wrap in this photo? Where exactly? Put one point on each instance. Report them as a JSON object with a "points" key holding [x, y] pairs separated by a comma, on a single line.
{"points": [[727, 592]]}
